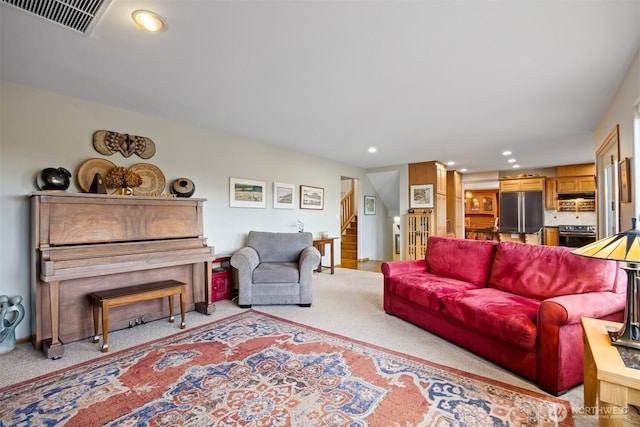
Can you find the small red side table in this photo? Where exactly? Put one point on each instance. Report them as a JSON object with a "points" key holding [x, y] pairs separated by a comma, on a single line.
{"points": [[221, 279]]}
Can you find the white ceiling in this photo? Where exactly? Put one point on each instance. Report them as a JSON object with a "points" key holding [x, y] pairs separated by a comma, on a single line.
{"points": [[419, 80]]}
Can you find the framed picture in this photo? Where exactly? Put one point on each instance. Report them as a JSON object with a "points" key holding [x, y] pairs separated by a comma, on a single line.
{"points": [[369, 205], [246, 193], [625, 180], [283, 196], [421, 196], [311, 197]]}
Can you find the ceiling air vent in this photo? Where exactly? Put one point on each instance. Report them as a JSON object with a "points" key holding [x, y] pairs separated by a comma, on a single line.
{"points": [[76, 15]]}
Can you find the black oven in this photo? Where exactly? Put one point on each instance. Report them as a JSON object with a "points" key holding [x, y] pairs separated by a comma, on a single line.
{"points": [[576, 236]]}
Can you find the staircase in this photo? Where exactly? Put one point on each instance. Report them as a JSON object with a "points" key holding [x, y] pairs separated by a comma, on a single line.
{"points": [[349, 242], [348, 232]]}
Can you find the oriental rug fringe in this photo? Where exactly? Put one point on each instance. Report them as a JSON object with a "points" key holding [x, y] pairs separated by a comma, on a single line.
{"points": [[253, 369]]}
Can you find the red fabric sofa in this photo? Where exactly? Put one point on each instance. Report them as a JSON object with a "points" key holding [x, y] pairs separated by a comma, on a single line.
{"points": [[516, 304]]}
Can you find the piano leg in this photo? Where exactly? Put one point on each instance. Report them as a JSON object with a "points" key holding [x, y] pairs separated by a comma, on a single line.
{"points": [[207, 306], [53, 348]]}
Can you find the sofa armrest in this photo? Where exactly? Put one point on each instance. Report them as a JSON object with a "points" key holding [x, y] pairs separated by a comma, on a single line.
{"points": [[394, 268], [568, 309], [309, 259], [560, 347]]}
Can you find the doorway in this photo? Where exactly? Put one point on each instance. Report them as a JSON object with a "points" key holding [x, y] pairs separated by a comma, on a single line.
{"points": [[607, 158]]}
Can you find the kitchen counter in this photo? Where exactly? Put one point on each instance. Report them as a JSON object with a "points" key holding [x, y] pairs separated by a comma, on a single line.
{"points": [[531, 238], [481, 233]]}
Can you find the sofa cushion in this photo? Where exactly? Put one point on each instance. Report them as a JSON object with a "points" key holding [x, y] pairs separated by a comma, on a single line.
{"points": [[425, 289], [505, 316], [276, 272], [467, 260], [542, 272]]}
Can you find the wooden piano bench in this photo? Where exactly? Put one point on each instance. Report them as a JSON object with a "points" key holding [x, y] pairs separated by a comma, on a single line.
{"points": [[131, 294]]}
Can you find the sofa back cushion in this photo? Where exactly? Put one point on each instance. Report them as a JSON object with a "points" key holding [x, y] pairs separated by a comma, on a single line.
{"points": [[467, 260], [279, 247], [541, 272]]}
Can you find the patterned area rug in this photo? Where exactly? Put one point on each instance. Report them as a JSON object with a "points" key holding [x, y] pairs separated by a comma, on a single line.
{"points": [[252, 369]]}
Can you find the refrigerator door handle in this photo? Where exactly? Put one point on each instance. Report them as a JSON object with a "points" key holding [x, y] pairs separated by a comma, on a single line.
{"points": [[523, 213]]}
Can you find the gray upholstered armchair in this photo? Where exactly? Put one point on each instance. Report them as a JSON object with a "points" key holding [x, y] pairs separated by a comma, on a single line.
{"points": [[276, 268]]}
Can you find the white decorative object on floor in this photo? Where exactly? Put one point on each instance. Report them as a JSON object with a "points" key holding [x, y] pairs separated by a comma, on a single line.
{"points": [[11, 314]]}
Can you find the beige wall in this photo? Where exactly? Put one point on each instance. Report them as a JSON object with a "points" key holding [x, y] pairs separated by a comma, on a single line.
{"points": [[40, 129], [621, 112]]}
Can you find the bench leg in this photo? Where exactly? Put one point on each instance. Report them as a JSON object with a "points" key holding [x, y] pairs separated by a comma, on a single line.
{"points": [[105, 327], [170, 308], [96, 322], [183, 300]]}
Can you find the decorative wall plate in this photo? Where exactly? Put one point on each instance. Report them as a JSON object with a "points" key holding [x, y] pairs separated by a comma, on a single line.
{"points": [[88, 170], [153, 181]]}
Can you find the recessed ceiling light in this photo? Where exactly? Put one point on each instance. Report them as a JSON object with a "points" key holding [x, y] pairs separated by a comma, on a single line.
{"points": [[149, 21], [515, 166], [506, 153], [463, 170], [372, 149], [511, 160], [451, 163]]}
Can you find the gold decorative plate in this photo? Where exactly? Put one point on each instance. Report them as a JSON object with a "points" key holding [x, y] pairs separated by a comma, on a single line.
{"points": [[153, 181], [89, 168]]}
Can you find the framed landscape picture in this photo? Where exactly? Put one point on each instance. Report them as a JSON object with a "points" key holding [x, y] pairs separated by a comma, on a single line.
{"points": [[369, 205], [625, 180], [247, 193], [311, 197], [421, 196], [283, 196]]}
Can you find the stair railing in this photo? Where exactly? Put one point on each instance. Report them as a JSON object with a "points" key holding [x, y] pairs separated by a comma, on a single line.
{"points": [[347, 210]]}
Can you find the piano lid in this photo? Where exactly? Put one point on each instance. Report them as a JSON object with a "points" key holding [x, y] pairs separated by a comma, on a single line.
{"points": [[80, 219]]}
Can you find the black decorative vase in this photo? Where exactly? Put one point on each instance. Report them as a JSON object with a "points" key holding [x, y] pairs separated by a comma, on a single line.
{"points": [[55, 179], [183, 187]]}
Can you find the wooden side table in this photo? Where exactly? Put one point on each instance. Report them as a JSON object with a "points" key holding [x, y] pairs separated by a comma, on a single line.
{"points": [[320, 245], [609, 386]]}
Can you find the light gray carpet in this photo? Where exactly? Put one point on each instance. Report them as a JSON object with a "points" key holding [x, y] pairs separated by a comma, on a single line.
{"points": [[348, 303]]}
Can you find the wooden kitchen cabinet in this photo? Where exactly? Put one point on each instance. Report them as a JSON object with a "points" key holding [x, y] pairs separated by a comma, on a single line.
{"points": [[575, 184], [577, 170], [550, 194], [587, 183], [455, 206], [481, 203], [551, 236], [441, 181], [522, 184]]}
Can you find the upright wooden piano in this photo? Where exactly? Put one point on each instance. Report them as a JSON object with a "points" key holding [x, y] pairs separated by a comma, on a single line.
{"points": [[88, 242]]}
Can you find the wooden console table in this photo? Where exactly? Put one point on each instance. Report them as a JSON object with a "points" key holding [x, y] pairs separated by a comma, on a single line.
{"points": [[609, 386], [320, 245]]}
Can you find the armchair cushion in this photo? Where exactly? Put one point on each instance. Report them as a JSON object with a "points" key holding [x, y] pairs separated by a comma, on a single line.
{"points": [[276, 272]]}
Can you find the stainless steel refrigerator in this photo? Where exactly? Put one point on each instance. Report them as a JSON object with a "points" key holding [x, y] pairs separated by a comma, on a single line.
{"points": [[521, 212]]}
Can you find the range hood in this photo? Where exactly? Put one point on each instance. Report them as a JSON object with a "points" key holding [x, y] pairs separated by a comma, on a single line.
{"points": [[572, 196]]}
